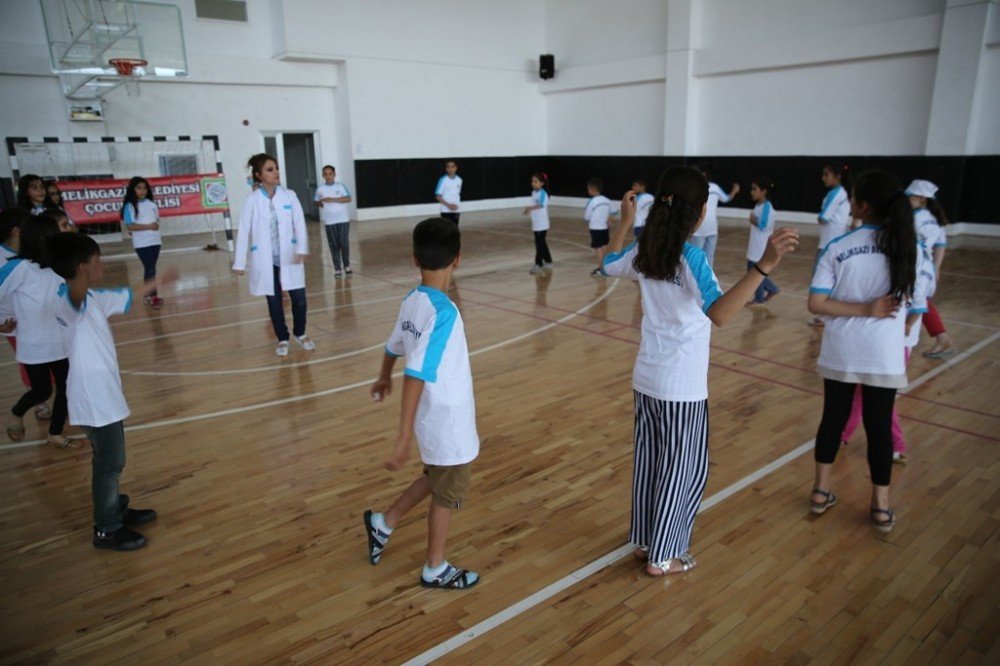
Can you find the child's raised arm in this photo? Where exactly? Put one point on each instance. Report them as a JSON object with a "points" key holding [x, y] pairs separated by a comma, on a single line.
{"points": [[726, 307]]}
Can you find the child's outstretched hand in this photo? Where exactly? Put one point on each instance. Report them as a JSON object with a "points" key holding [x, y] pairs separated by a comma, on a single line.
{"points": [[886, 306], [628, 207], [780, 243], [380, 389], [8, 326]]}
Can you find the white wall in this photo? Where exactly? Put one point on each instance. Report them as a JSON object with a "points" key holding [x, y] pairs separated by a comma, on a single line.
{"points": [[590, 32], [986, 117], [612, 120], [866, 107]]}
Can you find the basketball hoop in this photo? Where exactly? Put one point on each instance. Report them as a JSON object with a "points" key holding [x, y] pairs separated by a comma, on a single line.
{"points": [[129, 69]]}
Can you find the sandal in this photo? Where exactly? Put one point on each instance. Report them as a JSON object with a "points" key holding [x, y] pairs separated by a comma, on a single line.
{"points": [[43, 412], [686, 560], [899, 458], [452, 578], [883, 526], [820, 508], [305, 342], [15, 431], [64, 443], [940, 353]]}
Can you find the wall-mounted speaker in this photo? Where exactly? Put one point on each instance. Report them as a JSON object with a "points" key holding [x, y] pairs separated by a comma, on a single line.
{"points": [[546, 65]]}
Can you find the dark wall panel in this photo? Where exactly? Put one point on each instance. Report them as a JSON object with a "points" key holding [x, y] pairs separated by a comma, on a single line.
{"points": [[967, 183]]}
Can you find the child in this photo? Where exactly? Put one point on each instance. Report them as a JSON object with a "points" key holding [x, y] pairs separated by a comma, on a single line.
{"points": [[449, 192], [707, 236], [681, 300], [28, 286], [61, 218], [31, 194], [761, 226], [141, 216], [923, 289], [643, 202], [860, 284], [273, 216], [930, 221], [53, 205], [96, 400], [539, 211], [333, 198], [437, 403], [596, 214], [834, 213], [11, 220]]}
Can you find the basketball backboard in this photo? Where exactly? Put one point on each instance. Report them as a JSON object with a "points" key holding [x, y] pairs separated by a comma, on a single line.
{"points": [[85, 35]]}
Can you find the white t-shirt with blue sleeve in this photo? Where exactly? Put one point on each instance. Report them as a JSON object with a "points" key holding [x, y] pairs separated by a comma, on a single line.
{"points": [[760, 232], [30, 292], [672, 363], [930, 233], [865, 350], [597, 212], [643, 202], [333, 212], [94, 386], [430, 333], [710, 225], [540, 216], [148, 212], [834, 215], [923, 289], [449, 188]]}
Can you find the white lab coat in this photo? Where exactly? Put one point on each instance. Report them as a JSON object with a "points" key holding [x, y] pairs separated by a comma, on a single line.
{"points": [[255, 221]]}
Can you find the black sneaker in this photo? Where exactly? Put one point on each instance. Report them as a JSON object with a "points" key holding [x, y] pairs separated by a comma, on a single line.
{"points": [[139, 516], [121, 539]]}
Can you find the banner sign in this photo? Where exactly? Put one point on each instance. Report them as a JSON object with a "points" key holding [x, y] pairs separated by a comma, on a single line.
{"points": [[90, 201]]}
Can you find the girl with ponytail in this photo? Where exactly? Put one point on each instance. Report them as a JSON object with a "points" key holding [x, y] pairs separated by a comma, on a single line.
{"points": [[681, 299], [861, 283], [930, 221]]}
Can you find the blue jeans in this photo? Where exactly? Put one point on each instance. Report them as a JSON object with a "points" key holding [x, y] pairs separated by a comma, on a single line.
{"points": [[108, 443], [276, 309], [706, 243], [766, 287], [148, 257]]}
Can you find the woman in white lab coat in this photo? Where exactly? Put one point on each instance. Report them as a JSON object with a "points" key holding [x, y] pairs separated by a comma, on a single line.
{"points": [[272, 219]]}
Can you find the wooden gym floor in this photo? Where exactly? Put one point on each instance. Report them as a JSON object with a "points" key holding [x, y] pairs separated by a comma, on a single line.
{"points": [[261, 468]]}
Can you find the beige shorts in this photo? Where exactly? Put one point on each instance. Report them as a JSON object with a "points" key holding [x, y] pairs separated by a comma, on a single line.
{"points": [[449, 484]]}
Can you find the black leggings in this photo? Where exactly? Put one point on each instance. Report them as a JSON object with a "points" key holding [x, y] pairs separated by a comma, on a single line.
{"points": [[876, 408], [542, 248], [41, 375]]}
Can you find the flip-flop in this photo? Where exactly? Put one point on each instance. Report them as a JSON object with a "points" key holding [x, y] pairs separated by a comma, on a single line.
{"points": [[15, 431], [67, 443]]}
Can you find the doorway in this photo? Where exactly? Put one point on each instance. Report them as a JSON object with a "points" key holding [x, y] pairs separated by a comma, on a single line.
{"points": [[296, 153]]}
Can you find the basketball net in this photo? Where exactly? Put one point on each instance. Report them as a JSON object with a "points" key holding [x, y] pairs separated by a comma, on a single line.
{"points": [[129, 69]]}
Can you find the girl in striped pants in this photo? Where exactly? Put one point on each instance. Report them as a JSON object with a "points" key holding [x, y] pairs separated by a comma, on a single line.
{"points": [[681, 299]]}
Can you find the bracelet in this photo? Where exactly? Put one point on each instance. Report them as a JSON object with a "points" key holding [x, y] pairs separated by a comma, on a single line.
{"points": [[758, 269]]}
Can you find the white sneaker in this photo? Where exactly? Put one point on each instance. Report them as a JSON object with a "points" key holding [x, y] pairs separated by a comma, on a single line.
{"points": [[536, 269], [305, 343], [548, 264], [282, 349]]}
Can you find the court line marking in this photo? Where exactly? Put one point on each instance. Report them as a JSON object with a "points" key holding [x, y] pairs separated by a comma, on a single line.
{"points": [[604, 561], [337, 389], [242, 371]]}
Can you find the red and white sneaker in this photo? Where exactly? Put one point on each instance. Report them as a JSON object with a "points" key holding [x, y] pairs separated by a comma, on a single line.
{"points": [[155, 302]]}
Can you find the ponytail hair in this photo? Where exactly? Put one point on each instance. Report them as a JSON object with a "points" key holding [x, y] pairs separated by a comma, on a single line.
{"points": [[842, 171], [680, 199], [897, 237], [542, 177], [935, 209]]}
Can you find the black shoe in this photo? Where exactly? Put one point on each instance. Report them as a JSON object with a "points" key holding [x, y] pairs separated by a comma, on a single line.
{"points": [[121, 539], [139, 516]]}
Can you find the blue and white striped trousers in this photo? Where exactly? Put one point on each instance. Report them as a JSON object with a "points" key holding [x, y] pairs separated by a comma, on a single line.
{"points": [[671, 468]]}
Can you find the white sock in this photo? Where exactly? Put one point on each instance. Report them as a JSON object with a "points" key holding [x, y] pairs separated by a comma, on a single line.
{"points": [[378, 521], [432, 573]]}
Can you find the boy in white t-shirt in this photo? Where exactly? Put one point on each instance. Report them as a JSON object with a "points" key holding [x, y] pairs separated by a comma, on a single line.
{"points": [[643, 202], [437, 402], [448, 192], [332, 198], [94, 387], [596, 214]]}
